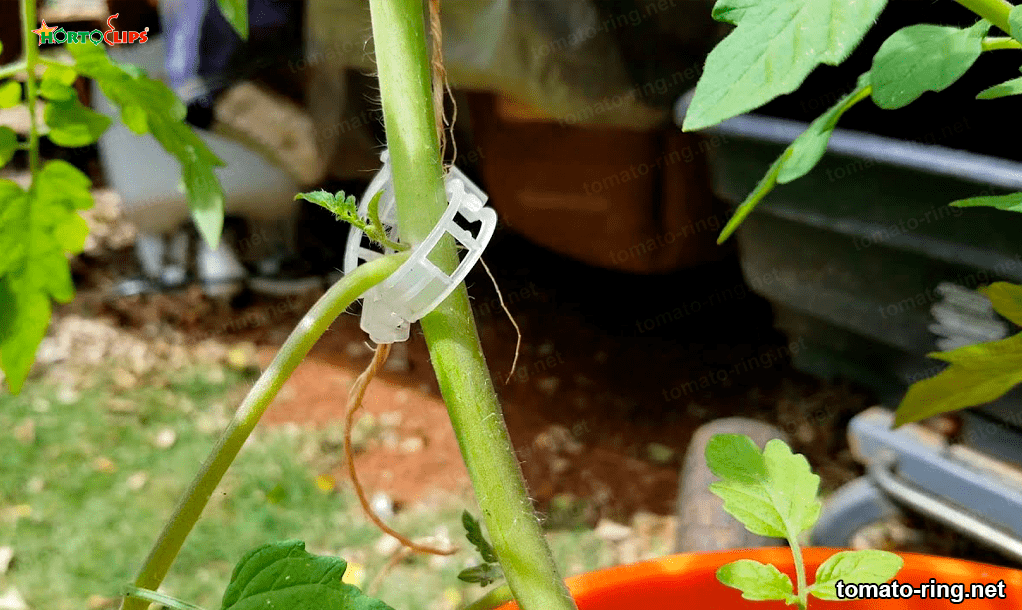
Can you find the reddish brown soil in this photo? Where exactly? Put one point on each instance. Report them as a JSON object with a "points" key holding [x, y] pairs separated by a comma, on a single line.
{"points": [[316, 395]]}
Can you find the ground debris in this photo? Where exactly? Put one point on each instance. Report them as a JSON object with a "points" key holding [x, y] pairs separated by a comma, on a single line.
{"points": [[11, 599], [612, 532]]}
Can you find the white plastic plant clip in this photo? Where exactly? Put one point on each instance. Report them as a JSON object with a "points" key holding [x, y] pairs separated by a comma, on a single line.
{"points": [[418, 286]]}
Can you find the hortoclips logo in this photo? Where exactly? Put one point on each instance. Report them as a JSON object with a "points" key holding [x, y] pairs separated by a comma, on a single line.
{"points": [[52, 35]]}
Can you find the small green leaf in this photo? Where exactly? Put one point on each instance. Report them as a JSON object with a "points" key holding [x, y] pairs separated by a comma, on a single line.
{"points": [[978, 374], [921, 58], [320, 198], [8, 144], [757, 581], [59, 181], [489, 571], [1008, 87], [866, 566], [484, 575], [735, 457], [22, 327], [809, 146], [55, 90], [373, 211], [981, 354], [72, 124], [56, 83], [774, 48], [1006, 299], [13, 225], [1015, 22], [63, 189], [63, 74], [205, 198], [344, 208], [1011, 202], [283, 575], [474, 533], [10, 94], [778, 500], [37, 230], [236, 13]]}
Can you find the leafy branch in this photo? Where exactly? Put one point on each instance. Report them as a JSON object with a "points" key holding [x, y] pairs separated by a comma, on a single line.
{"points": [[774, 493], [776, 44], [489, 571], [346, 210], [907, 65], [800, 156], [40, 225], [774, 47]]}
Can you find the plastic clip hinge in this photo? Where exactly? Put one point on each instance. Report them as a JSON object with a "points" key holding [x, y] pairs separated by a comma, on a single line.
{"points": [[418, 286]]}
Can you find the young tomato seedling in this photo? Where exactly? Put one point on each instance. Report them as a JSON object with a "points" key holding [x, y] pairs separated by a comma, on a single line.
{"points": [[773, 493]]}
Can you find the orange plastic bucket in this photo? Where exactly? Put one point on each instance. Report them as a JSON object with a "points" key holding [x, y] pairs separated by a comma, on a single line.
{"points": [[683, 582]]}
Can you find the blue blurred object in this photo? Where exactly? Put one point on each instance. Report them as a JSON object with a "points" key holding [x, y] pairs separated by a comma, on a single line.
{"points": [[205, 55]]}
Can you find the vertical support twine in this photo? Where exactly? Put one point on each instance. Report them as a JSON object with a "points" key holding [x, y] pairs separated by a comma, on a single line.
{"points": [[440, 85]]}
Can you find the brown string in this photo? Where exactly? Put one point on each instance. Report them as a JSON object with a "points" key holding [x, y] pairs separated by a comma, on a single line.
{"points": [[440, 85], [358, 389], [355, 396]]}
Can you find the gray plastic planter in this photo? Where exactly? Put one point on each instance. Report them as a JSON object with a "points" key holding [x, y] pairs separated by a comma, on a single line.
{"points": [[864, 259]]}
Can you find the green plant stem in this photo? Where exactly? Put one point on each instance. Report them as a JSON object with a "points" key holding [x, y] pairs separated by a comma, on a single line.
{"points": [[994, 11], [800, 572], [31, 58], [159, 598], [13, 68], [493, 599], [404, 72], [302, 338], [1000, 43]]}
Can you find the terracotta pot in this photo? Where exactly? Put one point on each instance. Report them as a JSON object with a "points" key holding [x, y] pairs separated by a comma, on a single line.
{"points": [[689, 582]]}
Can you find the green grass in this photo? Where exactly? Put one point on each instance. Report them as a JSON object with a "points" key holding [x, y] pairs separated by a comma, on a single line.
{"points": [[79, 530]]}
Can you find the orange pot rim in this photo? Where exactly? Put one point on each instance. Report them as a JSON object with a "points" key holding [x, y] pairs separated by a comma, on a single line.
{"points": [[698, 568]]}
